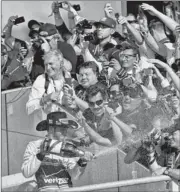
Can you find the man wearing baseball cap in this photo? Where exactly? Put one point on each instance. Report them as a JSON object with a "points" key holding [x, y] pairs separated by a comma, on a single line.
{"points": [[47, 158], [50, 38], [105, 29]]}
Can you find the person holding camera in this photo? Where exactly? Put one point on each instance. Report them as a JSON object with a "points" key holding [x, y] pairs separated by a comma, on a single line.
{"points": [[172, 167], [48, 87], [17, 74], [87, 75], [54, 161]]}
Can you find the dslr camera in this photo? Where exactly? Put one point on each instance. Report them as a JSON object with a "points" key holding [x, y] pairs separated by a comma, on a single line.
{"points": [[89, 37], [37, 43], [84, 24]]}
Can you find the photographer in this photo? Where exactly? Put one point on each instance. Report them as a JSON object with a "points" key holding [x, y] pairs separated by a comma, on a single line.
{"points": [[16, 73], [172, 168], [52, 160]]}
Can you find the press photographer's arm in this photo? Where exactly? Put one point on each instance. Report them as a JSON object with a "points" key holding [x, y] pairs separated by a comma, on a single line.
{"points": [[158, 170]]}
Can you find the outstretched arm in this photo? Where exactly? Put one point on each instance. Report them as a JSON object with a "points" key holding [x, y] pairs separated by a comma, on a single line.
{"points": [[170, 23]]}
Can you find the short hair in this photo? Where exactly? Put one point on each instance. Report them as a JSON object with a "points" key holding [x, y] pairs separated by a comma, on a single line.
{"points": [[93, 90], [89, 64], [54, 53], [126, 45]]}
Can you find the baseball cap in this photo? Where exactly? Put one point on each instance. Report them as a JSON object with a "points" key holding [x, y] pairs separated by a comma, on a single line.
{"points": [[109, 22], [32, 22], [56, 119], [47, 29]]}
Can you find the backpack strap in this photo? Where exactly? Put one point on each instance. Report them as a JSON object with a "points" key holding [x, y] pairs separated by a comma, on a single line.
{"points": [[46, 85]]}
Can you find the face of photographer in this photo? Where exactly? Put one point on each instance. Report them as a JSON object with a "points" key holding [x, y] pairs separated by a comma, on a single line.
{"points": [[104, 31], [175, 140]]}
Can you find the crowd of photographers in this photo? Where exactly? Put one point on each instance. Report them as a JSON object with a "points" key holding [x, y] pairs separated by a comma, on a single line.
{"points": [[123, 87]]}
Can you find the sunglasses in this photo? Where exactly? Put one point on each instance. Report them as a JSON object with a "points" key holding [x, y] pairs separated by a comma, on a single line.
{"points": [[133, 21], [98, 103]]}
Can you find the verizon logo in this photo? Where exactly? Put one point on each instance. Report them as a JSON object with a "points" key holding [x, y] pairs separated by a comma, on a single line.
{"points": [[56, 180]]}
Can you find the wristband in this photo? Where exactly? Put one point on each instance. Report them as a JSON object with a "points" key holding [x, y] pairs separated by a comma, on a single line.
{"points": [[40, 157], [82, 163], [166, 172]]}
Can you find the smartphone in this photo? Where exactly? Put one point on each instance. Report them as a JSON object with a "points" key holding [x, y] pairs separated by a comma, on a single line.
{"points": [[77, 7], [19, 20], [141, 12]]}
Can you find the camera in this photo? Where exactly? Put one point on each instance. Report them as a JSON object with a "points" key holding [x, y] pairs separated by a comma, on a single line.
{"points": [[37, 43], [19, 20], [84, 24], [148, 71], [89, 37], [65, 5]]}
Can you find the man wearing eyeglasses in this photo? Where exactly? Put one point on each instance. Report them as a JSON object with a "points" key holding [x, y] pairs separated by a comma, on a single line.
{"points": [[131, 29], [99, 120]]}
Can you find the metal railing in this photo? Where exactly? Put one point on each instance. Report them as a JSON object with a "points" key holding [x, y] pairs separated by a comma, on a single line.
{"points": [[116, 184]]}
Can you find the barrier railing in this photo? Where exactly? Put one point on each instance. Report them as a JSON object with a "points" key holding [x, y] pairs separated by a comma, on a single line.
{"points": [[116, 184]]}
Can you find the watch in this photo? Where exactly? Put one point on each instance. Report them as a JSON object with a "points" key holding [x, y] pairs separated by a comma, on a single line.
{"points": [[166, 172]]}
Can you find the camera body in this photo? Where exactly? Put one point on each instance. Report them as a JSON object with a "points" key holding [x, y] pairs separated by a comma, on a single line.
{"points": [[65, 5], [89, 37], [37, 43], [84, 24], [19, 20]]}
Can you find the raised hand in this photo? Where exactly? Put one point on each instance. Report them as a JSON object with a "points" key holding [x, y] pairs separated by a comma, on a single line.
{"points": [[12, 19], [158, 63], [45, 45], [55, 7], [109, 10], [122, 20], [115, 64], [149, 8]]}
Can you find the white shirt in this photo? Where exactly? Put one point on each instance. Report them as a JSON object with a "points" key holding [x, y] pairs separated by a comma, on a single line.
{"points": [[37, 92]]}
